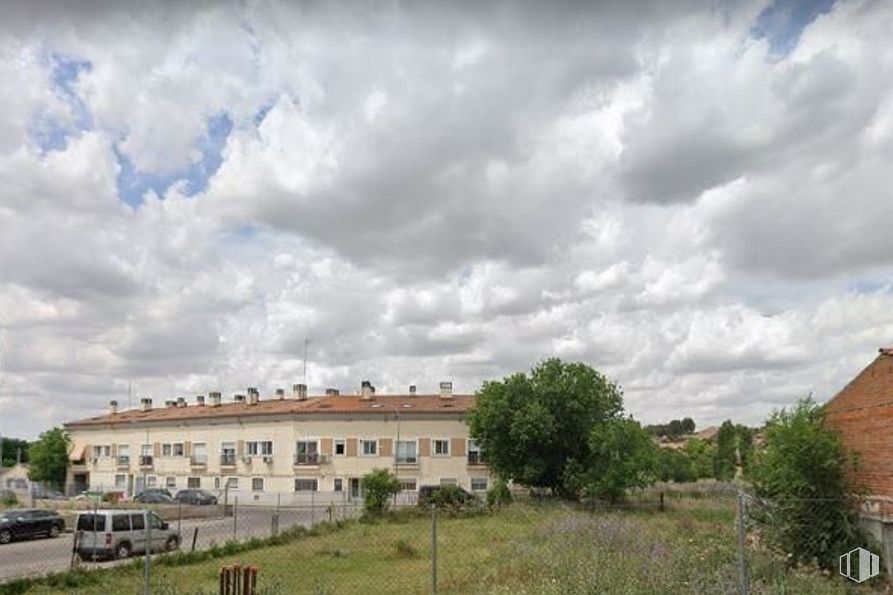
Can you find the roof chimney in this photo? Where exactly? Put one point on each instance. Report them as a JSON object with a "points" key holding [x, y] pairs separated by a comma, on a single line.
{"points": [[200, 400], [367, 391], [300, 391], [214, 398], [412, 390], [113, 406], [146, 404], [446, 390], [170, 403], [253, 396], [181, 401], [237, 398], [332, 392], [280, 393]]}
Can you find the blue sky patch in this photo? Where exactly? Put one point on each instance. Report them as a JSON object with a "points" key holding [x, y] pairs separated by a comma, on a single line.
{"points": [[133, 184], [782, 22], [48, 132]]}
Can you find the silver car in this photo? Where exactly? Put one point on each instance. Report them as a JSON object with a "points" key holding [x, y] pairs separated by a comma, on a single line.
{"points": [[104, 534]]}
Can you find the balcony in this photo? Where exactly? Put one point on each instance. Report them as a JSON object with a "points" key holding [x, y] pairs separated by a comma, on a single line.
{"points": [[146, 461], [228, 460], [310, 459], [476, 459], [199, 461], [124, 461]]}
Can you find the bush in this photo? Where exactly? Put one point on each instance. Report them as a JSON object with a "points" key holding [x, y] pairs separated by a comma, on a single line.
{"points": [[449, 497], [378, 488], [499, 494], [9, 499], [800, 472]]}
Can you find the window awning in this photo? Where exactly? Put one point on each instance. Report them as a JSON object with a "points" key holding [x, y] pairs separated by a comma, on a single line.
{"points": [[77, 454]]}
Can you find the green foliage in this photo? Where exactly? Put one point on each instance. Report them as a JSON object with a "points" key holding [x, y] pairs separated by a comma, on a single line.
{"points": [[675, 465], [12, 449], [404, 549], [9, 499], [48, 457], [801, 472], [536, 427], [674, 430], [623, 457], [499, 494], [725, 459], [700, 452], [378, 488], [449, 497]]}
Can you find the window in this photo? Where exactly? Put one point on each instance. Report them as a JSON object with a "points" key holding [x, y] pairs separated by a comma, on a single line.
{"points": [[338, 485], [260, 448], [340, 447], [138, 521], [475, 453], [91, 522], [406, 452], [170, 482], [103, 451], [165, 450], [121, 522], [155, 521], [178, 449], [232, 483], [216, 483], [120, 481], [151, 481], [193, 483], [305, 485], [228, 453], [441, 448], [123, 454], [369, 448], [306, 452], [449, 481], [478, 484], [408, 485], [200, 453], [257, 484], [146, 450]]}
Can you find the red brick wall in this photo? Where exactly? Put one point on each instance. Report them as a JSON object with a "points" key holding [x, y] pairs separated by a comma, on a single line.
{"points": [[863, 415]]}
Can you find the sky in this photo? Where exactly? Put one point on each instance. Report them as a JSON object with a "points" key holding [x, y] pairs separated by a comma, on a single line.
{"points": [[690, 196]]}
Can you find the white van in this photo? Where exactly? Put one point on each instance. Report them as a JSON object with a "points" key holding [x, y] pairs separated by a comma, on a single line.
{"points": [[119, 533]]}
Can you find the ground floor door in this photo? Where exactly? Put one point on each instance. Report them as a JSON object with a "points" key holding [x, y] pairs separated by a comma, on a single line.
{"points": [[140, 484], [80, 482]]}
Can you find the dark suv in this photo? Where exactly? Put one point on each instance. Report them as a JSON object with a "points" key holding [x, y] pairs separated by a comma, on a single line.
{"points": [[195, 496], [23, 524]]}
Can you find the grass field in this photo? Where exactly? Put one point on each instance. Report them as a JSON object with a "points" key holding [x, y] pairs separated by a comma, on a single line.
{"points": [[551, 548]]}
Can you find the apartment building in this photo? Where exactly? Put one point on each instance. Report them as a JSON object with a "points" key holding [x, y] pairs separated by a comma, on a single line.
{"points": [[298, 444]]}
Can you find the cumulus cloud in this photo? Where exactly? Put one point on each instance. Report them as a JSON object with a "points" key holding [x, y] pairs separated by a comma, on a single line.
{"points": [[690, 198]]}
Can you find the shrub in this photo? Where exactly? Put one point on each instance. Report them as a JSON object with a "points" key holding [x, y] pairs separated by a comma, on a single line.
{"points": [[9, 499], [448, 497], [405, 550], [378, 488], [499, 494]]}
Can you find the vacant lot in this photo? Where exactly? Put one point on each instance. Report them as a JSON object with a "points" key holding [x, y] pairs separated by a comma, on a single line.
{"points": [[522, 549]]}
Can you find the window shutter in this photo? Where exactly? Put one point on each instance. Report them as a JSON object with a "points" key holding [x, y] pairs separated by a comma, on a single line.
{"points": [[115, 451], [457, 447], [424, 447], [240, 448], [351, 447], [187, 449], [156, 448], [325, 446], [386, 445]]}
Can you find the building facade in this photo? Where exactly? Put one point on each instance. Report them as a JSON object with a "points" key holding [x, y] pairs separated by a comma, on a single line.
{"points": [[259, 449]]}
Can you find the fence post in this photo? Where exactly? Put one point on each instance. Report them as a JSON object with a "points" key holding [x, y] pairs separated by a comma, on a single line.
{"points": [[742, 562], [434, 549], [148, 561], [194, 538], [661, 502], [95, 536]]}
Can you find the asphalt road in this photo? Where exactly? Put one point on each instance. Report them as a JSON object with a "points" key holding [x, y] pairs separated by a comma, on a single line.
{"points": [[41, 556]]}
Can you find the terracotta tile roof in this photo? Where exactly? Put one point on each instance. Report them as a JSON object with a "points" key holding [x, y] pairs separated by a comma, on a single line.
{"points": [[335, 404], [708, 433]]}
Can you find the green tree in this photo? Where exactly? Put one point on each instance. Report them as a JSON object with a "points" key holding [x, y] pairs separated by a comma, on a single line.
{"points": [[745, 446], [379, 486], [801, 473], [623, 457], [48, 457], [700, 453], [725, 459], [688, 425], [536, 427], [675, 465], [13, 449]]}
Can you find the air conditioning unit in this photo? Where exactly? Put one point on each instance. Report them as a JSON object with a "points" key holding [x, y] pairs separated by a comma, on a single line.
{"points": [[268, 460]]}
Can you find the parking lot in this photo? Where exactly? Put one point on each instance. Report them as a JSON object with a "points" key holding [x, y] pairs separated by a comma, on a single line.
{"points": [[42, 556]]}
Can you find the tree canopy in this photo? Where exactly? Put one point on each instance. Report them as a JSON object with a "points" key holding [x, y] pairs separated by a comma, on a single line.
{"points": [[13, 451], [543, 429], [48, 457]]}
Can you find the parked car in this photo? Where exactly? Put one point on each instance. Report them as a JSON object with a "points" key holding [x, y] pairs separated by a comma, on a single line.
{"points": [[91, 496], [153, 497], [119, 533], [445, 494], [27, 523], [44, 494], [195, 496]]}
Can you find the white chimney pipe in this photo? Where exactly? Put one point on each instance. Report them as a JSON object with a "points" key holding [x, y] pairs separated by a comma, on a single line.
{"points": [[113, 406], [214, 397], [446, 390], [145, 404], [367, 391]]}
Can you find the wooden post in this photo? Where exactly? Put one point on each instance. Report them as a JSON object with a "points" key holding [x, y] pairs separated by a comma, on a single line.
{"points": [[238, 580]]}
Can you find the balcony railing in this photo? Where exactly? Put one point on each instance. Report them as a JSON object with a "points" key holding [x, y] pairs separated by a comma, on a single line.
{"points": [[146, 461], [309, 458], [228, 460], [124, 461], [199, 460], [407, 460], [476, 458]]}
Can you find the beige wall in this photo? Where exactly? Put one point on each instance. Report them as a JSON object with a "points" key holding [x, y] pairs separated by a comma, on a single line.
{"points": [[279, 475]]}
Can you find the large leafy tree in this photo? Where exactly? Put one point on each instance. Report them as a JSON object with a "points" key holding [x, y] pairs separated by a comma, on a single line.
{"points": [[48, 457], [13, 450], [800, 478], [726, 458], [537, 427], [623, 456]]}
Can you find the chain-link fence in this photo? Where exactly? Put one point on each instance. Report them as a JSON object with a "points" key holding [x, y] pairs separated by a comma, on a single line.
{"points": [[707, 538]]}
